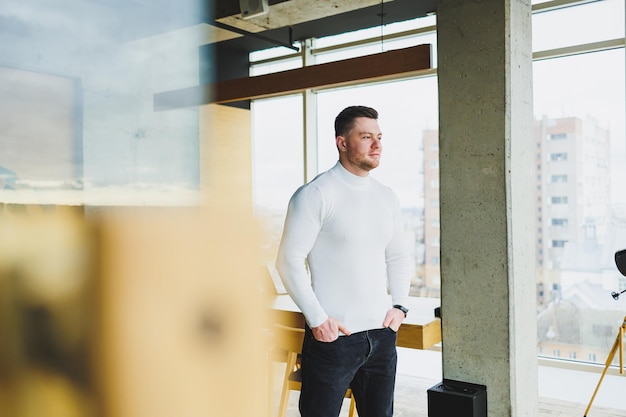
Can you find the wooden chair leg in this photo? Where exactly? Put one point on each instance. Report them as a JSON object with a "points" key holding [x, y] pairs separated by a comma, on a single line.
{"points": [[352, 412], [270, 385], [284, 396]]}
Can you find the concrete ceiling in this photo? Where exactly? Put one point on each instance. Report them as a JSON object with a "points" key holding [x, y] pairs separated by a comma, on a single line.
{"points": [[288, 21], [292, 12]]}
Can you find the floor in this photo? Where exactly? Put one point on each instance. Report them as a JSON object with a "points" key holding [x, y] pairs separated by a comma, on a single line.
{"points": [[419, 372]]}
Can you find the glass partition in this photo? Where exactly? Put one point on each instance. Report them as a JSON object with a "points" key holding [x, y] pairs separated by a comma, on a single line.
{"points": [[83, 76]]}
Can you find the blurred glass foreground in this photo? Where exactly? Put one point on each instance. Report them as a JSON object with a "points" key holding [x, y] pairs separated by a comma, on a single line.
{"points": [[129, 312]]}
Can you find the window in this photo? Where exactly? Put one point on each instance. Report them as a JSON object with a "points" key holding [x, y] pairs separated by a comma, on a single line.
{"points": [[403, 157], [600, 330], [567, 26], [403, 161], [558, 136], [425, 27], [278, 168], [579, 103]]}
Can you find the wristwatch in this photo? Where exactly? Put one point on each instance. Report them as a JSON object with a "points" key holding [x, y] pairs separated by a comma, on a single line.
{"points": [[401, 308]]}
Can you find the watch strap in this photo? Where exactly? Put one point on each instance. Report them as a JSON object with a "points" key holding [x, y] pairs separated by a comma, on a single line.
{"points": [[401, 308]]}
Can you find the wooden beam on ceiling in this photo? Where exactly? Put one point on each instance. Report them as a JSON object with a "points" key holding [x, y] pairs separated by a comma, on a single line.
{"points": [[381, 66]]}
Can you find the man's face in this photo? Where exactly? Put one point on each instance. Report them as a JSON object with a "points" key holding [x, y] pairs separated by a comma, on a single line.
{"points": [[360, 150]]}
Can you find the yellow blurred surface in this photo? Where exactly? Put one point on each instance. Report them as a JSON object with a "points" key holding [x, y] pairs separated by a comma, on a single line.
{"points": [[133, 312]]}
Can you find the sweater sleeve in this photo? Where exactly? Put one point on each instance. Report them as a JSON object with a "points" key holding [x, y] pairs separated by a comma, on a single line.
{"points": [[302, 226], [398, 260]]}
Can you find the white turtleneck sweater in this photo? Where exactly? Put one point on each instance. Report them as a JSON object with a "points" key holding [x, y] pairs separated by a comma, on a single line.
{"points": [[349, 231]]}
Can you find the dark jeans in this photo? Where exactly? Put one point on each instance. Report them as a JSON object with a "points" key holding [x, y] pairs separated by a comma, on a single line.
{"points": [[365, 361]]}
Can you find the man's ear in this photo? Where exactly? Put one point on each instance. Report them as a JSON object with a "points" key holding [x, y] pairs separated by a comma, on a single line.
{"points": [[341, 143]]}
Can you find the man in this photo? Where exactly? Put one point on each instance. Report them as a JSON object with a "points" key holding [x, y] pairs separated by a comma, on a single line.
{"points": [[347, 228]]}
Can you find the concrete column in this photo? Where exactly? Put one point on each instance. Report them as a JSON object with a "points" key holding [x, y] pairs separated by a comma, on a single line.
{"points": [[486, 196]]}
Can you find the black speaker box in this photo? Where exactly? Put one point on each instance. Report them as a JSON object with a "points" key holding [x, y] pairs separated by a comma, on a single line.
{"points": [[452, 398]]}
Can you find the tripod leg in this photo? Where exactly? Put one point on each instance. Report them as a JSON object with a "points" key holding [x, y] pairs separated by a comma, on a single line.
{"points": [[621, 349], [609, 360]]}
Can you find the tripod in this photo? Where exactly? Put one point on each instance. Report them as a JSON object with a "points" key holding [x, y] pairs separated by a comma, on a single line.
{"points": [[619, 343]]}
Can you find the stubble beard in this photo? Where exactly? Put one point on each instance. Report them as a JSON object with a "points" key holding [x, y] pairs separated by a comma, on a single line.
{"points": [[367, 164]]}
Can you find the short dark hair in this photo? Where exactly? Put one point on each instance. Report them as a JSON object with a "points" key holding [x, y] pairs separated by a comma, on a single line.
{"points": [[345, 120]]}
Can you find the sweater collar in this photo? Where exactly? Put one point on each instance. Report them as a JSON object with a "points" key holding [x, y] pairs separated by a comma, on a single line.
{"points": [[349, 178]]}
